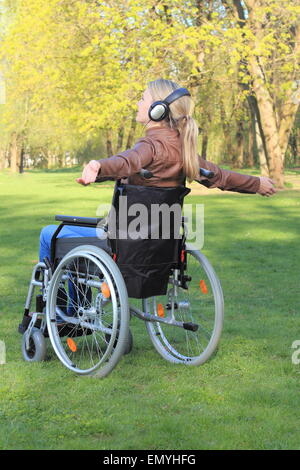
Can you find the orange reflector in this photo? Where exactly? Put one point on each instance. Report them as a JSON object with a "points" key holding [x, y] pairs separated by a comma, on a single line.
{"points": [[105, 290], [160, 310], [203, 287], [72, 345]]}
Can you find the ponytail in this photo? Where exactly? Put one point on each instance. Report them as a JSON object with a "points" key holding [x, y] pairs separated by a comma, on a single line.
{"points": [[188, 131], [180, 118]]}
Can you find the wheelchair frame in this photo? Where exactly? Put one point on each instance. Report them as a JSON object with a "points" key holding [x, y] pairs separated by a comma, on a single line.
{"points": [[37, 324], [177, 318]]}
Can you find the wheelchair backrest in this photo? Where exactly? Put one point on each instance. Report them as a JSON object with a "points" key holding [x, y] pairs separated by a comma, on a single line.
{"points": [[146, 246]]}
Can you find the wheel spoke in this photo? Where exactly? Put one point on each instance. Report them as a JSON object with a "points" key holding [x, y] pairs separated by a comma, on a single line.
{"points": [[196, 299], [76, 290]]}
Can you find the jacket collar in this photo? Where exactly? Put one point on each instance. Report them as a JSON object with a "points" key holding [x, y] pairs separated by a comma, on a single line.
{"points": [[161, 131]]}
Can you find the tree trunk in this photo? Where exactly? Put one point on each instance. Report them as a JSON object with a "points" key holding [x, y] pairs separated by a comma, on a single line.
{"points": [[292, 147], [289, 111], [109, 144], [22, 152], [204, 146], [268, 148], [51, 158], [131, 132], [269, 125], [2, 159], [298, 147], [264, 170], [120, 138], [7, 156], [60, 160], [14, 153], [239, 154], [251, 146], [229, 151], [257, 134]]}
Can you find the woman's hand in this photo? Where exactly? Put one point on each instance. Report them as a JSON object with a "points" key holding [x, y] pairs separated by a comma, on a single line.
{"points": [[89, 173], [266, 187]]}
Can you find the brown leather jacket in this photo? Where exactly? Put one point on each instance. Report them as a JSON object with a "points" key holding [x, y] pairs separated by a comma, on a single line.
{"points": [[160, 152]]}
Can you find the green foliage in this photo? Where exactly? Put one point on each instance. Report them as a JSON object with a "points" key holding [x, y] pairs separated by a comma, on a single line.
{"points": [[76, 68]]}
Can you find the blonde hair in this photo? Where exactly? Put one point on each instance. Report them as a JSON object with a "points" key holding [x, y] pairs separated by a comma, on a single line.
{"points": [[180, 118]]}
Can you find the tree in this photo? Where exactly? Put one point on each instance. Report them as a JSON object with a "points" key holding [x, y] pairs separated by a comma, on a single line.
{"points": [[76, 68], [270, 38]]}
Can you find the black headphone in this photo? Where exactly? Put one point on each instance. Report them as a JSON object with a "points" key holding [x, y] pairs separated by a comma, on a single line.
{"points": [[159, 110]]}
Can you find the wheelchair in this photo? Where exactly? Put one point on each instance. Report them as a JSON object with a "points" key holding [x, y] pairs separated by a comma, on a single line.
{"points": [[83, 304]]}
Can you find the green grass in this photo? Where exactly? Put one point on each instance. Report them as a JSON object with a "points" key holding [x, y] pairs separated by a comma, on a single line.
{"points": [[245, 397]]}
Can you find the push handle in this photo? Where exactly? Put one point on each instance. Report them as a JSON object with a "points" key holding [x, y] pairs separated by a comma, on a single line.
{"points": [[145, 174], [207, 173], [148, 174], [203, 172]]}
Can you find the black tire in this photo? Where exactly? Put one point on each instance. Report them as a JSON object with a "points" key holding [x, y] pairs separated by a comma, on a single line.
{"points": [[37, 346], [204, 310], [129, 343], [93, 351]]}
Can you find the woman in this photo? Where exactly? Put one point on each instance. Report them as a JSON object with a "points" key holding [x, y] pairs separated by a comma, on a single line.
{"points": [[168, 151]]}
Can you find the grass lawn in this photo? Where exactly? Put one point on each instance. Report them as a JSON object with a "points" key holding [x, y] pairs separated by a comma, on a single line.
{"points": [[245, 397]]}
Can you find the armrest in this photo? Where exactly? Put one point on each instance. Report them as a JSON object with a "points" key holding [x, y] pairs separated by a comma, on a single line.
{"points": [[73, 220]]}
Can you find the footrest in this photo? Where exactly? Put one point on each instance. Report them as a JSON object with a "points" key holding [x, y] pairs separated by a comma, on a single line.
{"points": [[24, 325]]}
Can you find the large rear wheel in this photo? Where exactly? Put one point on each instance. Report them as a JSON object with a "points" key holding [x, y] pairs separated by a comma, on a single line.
{"points": [[195, 300], [87, 312]]}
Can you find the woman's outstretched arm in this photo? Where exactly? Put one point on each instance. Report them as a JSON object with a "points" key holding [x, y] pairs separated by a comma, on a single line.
{"points": [[122, 165], [228, 180]]}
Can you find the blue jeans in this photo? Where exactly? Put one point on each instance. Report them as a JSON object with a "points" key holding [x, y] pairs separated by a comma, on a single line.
{"points": [[68, 231]]}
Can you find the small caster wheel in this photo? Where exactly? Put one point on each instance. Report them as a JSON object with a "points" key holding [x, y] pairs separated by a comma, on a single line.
{"points": [[37, 346]]}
